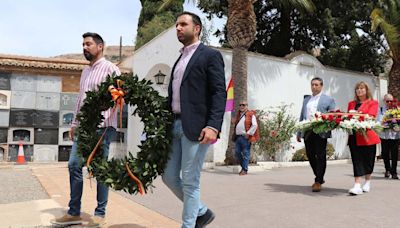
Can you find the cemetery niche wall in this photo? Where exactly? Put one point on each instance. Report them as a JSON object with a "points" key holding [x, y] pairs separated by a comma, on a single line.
{"points": [[37, 102]]}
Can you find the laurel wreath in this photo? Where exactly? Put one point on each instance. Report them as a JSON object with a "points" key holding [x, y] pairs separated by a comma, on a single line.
{"points": [[149, 162]]}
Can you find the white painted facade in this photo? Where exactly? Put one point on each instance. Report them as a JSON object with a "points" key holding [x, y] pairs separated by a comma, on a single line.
{"points": [[272, 81]]}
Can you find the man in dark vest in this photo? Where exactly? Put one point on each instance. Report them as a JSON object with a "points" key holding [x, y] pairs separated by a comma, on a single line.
{"points": [[246, 132]]}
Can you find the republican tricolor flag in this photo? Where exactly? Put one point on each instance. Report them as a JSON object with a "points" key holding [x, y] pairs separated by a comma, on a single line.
{"points": [[229, 98]]}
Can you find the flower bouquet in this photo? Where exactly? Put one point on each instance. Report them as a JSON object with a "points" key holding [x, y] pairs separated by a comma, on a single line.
{"points": [[391, 119], [349, 122]]}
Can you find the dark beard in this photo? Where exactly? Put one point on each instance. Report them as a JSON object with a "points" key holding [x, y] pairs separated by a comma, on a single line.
{"points": [[88, 56]]}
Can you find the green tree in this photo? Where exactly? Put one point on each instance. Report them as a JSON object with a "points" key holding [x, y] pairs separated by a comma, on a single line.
{"points": [[336, 27], [386, 16], [153, 20]]}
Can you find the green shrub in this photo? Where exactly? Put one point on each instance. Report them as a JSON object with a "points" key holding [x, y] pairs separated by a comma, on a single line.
{"points": [[276, 126], [300, 155]]}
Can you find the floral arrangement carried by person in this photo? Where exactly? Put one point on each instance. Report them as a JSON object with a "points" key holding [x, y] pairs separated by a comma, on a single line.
{"points": [[349, 122], [391, 119]]}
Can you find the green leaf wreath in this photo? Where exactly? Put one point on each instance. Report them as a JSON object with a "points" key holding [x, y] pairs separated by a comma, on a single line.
{"points": [[153, 111]]}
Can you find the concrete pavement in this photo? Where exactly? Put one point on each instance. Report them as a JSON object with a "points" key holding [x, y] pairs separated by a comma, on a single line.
{"points": [[54, 179], [280, 197]]}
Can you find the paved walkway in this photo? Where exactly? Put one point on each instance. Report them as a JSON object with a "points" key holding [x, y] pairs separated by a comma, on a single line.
{"points": [[121, 212], [280, 198]]}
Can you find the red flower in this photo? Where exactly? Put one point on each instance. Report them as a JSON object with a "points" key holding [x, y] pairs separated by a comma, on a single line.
{"points": [[323, 117], [362, 118], [330, 117], [338, 120], [273, 133], [337, 110], [316, 116], [350, 116]]}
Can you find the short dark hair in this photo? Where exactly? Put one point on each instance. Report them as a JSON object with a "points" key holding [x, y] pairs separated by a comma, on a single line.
{"points": [[318, 79], [96, 37], [196, 19]]}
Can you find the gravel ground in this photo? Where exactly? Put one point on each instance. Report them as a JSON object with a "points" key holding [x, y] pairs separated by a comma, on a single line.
{"points": [[17, 184]]}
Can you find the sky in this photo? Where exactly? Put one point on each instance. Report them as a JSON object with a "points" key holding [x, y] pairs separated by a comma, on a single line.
{"points": [[46, 28]]}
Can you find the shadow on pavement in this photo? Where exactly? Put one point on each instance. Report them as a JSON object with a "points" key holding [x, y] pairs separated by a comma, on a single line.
{"points": [[126, 226], [306, 190]]}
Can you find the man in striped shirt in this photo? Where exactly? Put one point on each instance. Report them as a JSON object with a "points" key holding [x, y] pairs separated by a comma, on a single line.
{"points": [[97, 71]]}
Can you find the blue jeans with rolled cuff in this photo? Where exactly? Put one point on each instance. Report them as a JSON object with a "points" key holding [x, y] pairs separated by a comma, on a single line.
{"points": [[76, 179]]}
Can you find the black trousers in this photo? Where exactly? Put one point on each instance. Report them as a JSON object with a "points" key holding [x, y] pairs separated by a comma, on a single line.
{"points": [[390, 150], [363, 157], [316, 154]]}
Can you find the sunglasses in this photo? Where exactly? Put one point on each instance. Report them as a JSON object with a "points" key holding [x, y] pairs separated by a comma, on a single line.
{"points": [[388, 101], [243, 105]]}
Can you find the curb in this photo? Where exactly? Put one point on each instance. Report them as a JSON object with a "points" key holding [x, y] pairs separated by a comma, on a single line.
{"points": [[266, 166]]}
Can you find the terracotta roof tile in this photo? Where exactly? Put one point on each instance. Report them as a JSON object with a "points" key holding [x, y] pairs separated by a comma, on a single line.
{"points": [[42, 63]]}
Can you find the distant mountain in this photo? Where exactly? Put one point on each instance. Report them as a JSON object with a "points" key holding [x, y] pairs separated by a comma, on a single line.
{"points": [[111, 53]]}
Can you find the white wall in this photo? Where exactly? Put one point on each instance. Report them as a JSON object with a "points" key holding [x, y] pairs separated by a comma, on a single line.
{"points": [[272, 81]]}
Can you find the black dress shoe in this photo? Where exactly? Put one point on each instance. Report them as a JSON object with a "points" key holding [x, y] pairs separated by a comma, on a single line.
{"points": [[205, 219], [394, 176], [387, 174]]}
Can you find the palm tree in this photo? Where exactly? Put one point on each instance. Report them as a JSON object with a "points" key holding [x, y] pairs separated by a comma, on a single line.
{"points": [[387, 18], [241, 32]]}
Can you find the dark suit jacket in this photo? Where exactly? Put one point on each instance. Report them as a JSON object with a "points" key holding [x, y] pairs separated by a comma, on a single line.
{"points": [[202, 92]]}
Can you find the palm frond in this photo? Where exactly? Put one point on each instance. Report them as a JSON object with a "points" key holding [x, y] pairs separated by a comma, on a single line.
{"points": [[391, 32]]}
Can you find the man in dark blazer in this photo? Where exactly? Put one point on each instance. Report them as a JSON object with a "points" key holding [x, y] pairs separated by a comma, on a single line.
{"points": [[316, 144], [197, 97]]}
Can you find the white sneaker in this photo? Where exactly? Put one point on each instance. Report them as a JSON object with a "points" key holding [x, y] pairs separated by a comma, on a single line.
{"points": [[356, 190], [366, 187]]}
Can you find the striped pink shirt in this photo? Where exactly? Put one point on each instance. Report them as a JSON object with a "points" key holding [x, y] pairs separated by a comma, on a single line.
{"points": [[91, 77]]}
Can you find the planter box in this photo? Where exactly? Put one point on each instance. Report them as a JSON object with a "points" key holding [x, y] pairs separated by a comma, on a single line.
{"points": [[5, 99], [46, 136], [47, 101], [63, 137], [68, 101], [17, 135], [66, 118], [45, 153], [5, 81], [48, 84], [13, 152], [46, 119], [4, 118], [23, 99], [64, 152], [23, 83]]}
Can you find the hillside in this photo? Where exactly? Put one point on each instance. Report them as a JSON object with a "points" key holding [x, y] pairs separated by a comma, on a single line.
{"points": [[111, 53]]}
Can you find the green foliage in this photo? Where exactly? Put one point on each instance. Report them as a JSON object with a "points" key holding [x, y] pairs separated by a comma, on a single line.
{"points": [[276, 129], [300, 155], [152, 109], [340, 28], [153, 20]]}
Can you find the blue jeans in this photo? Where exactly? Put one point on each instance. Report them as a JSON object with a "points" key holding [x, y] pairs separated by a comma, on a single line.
{"points": [[76, 180], [242, 149], [186, 156]]}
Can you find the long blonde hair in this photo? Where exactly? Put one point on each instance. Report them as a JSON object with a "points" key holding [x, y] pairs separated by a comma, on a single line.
{"points": [[362, 84]]}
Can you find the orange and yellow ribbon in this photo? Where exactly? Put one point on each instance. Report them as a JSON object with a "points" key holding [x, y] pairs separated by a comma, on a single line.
{"points": [[137, 181], [117, 95]]}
